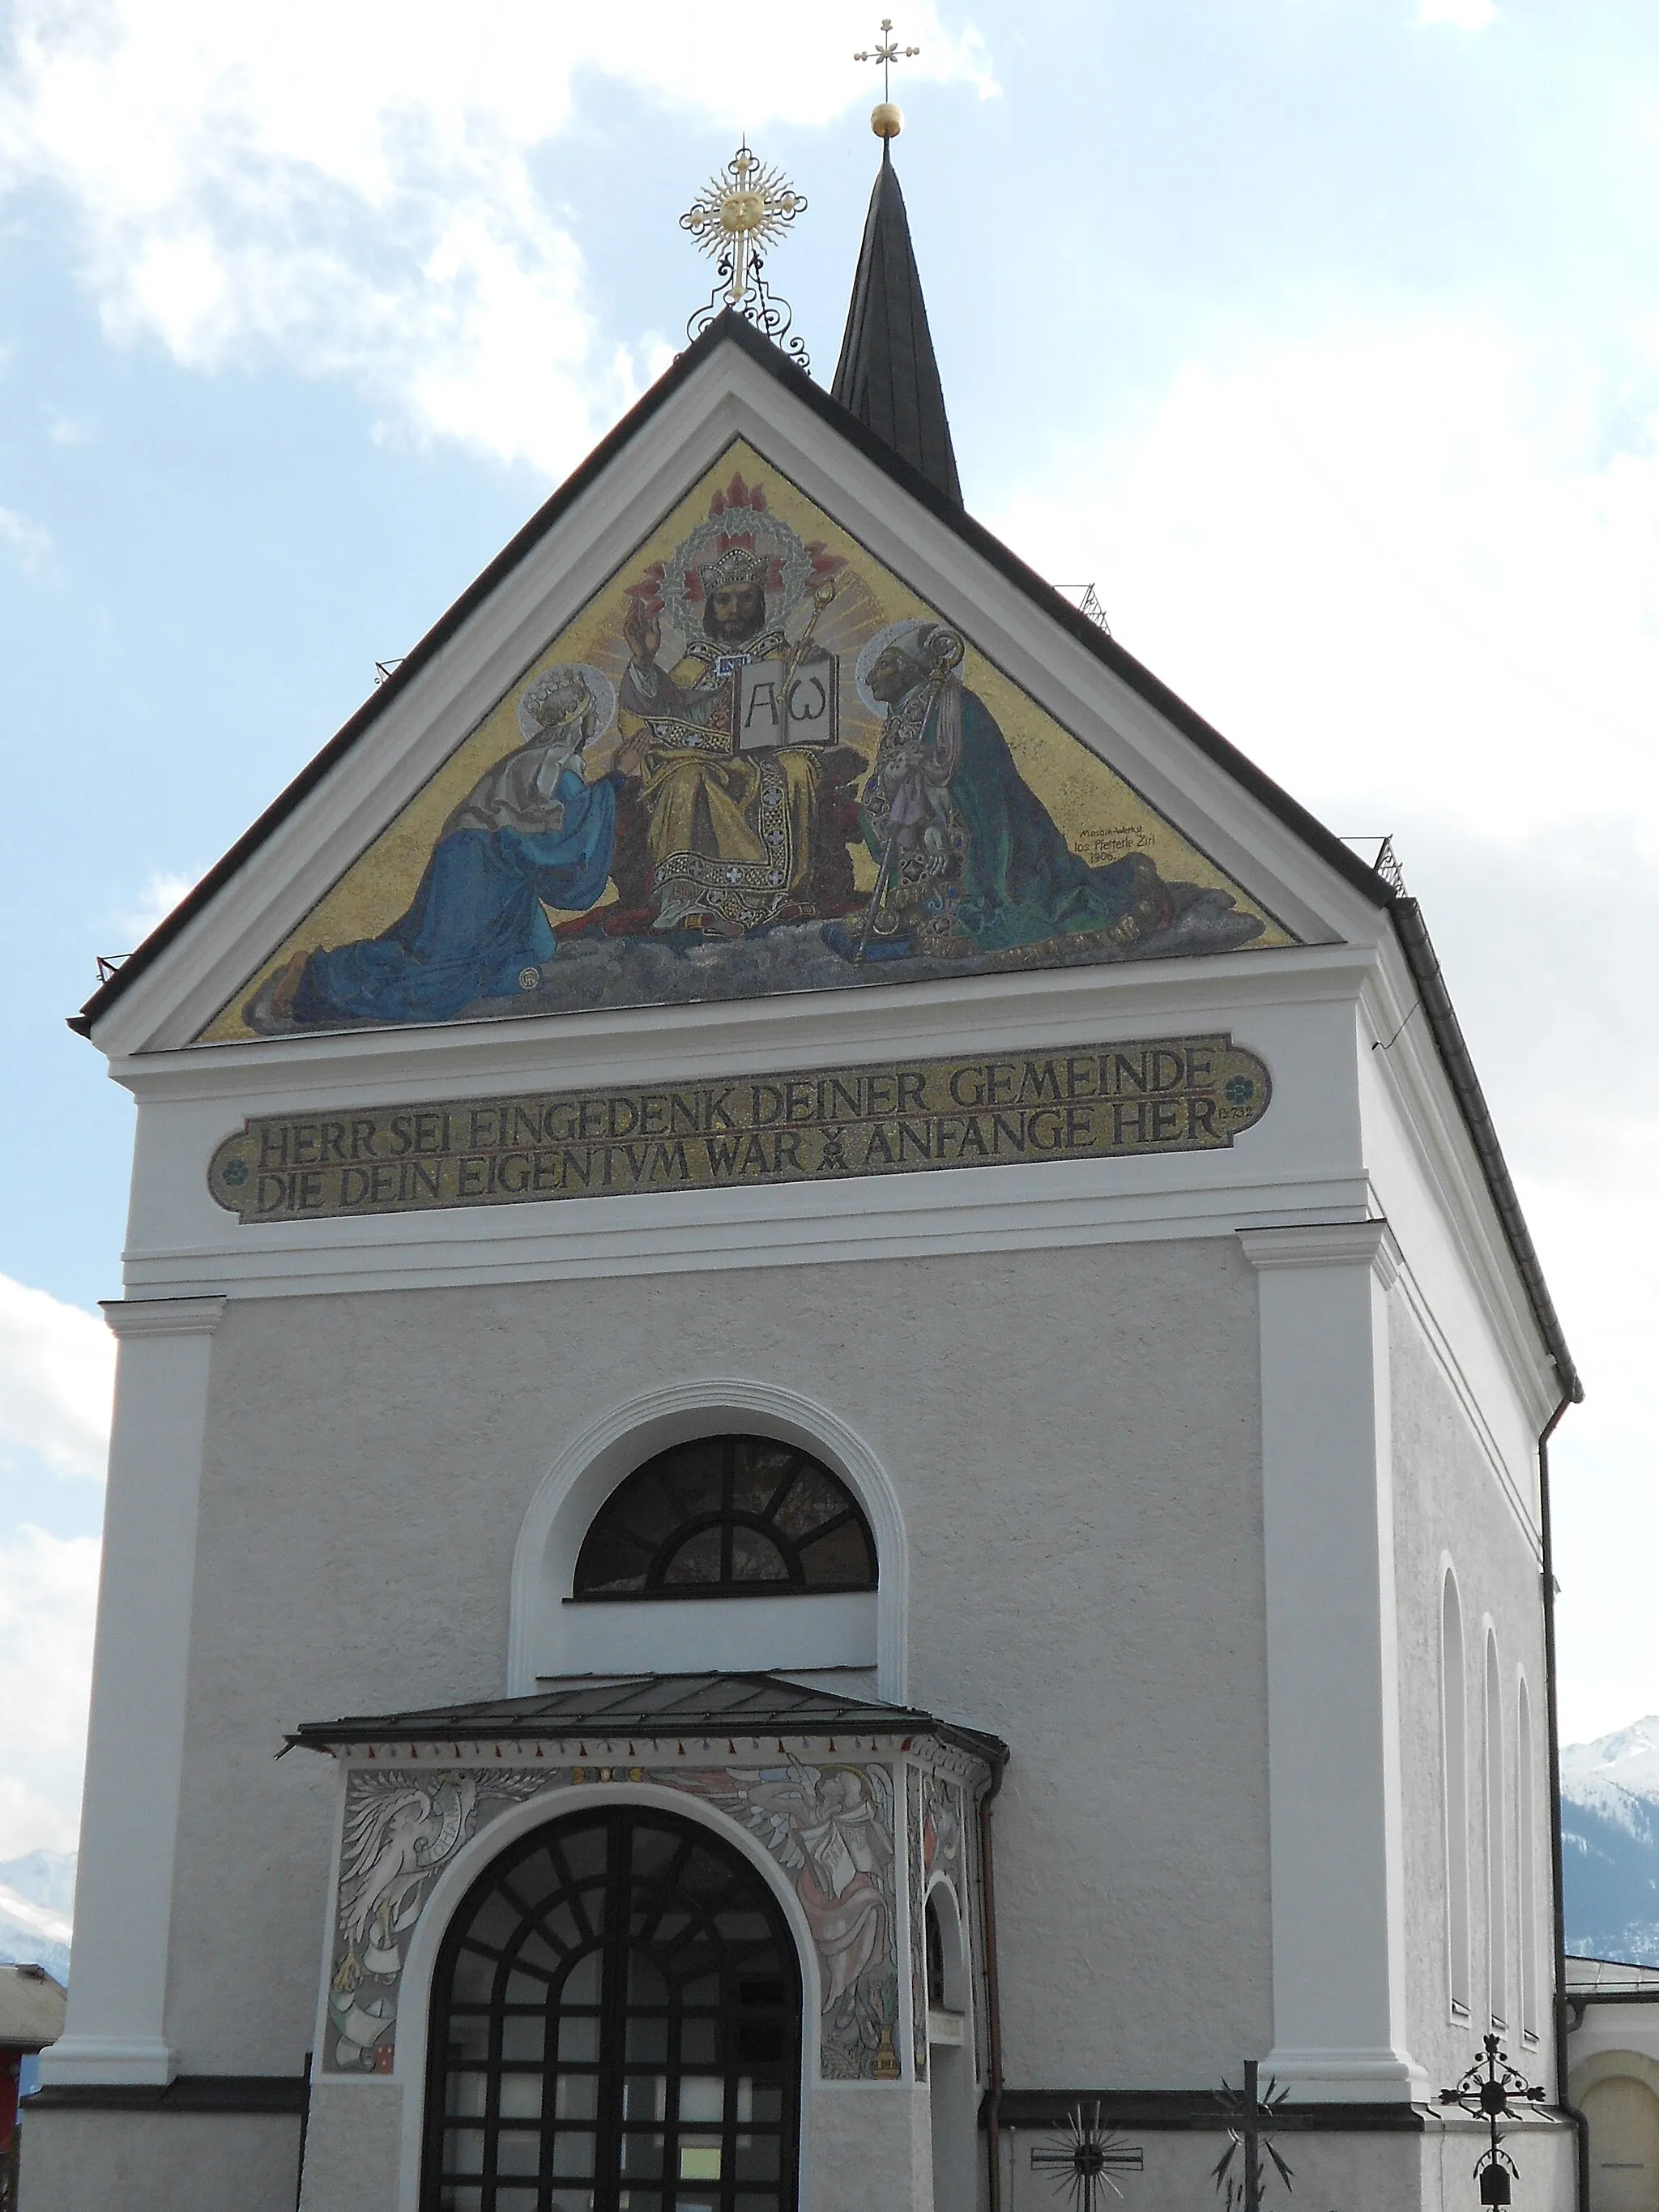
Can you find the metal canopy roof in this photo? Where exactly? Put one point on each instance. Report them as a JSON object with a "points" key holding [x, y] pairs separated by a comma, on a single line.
{"points": [[1611, 1978], [608, 1706]]}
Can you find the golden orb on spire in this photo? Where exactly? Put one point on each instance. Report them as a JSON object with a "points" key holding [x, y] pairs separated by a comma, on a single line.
{"points": [[887, 118]]}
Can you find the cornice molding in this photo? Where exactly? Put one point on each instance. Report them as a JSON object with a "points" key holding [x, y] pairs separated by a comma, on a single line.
{"points": [[1326, 1244], [188, 1317], [1028, 1011]]}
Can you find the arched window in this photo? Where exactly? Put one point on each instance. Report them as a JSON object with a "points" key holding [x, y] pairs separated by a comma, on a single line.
{"points": [[1526, 1862], [616, 2025], [1453, 1739], [728, 1516], [942, 1933], [1497, 1947], [935, 1936]]}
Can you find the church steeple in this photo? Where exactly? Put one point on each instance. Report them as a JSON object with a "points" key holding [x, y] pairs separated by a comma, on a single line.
{"points": [[887, 373]]}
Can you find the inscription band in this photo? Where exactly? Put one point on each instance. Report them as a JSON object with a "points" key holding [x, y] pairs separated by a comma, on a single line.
{"points": [[1095, 1102]]}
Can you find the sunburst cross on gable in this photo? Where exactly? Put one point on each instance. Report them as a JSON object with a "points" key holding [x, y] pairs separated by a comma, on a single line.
{"points": [[743, 209]]}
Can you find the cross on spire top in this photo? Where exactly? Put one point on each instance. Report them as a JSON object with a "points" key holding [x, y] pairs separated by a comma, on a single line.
{"points": [[886, 121]]}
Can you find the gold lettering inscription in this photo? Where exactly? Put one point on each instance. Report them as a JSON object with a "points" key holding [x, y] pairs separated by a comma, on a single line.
{"points": [[1092, 1101]]}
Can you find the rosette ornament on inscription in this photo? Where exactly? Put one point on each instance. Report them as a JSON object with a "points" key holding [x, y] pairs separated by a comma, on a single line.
{"points": [[1085, 1103]]}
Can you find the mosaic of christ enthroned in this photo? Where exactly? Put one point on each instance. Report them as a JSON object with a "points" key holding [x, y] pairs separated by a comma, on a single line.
{"points": [[755, 762]]}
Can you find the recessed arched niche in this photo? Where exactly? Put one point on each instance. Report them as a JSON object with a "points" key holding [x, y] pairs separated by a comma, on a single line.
{"points": [[731, 1532]]}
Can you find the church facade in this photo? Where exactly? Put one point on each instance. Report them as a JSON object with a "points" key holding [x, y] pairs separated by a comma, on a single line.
{"points": [[827, 1439]]}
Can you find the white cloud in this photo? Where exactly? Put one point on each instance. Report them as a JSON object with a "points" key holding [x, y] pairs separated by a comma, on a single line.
{"points": [[48, 1595], [57, 1378], [162, 890], [353, 188], [1468, 14], [1393, 558], [28, 542], [1408, 562]]}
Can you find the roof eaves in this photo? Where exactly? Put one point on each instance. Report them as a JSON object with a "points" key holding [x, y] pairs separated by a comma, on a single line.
{"points": [[1455, 1057], [552, 1718]]}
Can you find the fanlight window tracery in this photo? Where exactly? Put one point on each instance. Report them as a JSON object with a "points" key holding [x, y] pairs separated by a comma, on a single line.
{"points": [[728, 1516]]}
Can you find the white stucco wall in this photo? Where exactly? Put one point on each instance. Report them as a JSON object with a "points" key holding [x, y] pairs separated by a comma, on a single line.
{"points": [[160, 2161], [1452, 1505], [372, 1460]]}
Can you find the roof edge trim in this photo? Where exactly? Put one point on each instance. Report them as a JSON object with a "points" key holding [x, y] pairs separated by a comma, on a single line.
{"points": [[1455, 1057]]}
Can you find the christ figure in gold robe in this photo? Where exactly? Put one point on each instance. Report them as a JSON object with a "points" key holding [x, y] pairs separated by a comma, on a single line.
{"points": [[731, 832]]}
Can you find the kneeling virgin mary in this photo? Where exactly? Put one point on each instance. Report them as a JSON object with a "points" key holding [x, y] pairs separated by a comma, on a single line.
{"points": [[538, 830]]}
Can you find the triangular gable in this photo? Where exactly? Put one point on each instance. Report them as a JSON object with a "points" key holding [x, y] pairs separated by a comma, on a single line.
{"points": [[712, 813]]}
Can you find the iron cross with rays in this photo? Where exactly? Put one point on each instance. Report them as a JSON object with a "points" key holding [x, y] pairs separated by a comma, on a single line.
{"points": [[1086, 2158], [1251, 2114]]}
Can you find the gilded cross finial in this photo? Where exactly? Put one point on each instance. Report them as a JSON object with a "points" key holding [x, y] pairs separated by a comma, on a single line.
{"points": [[885, 119], [742, 209]]}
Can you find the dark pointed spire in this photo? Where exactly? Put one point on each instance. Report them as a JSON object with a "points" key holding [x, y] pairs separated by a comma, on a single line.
{"points": [[887, 374]]}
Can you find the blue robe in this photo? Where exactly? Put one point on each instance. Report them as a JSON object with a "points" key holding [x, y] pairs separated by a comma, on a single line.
{"points": [[477, 927]]}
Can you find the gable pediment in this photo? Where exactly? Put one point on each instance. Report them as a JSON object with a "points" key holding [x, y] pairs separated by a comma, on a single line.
{"points": [[742, 720]]}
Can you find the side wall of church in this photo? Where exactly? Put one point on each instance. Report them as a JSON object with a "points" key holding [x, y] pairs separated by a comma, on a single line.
{"points": [[1073, 1439], [1453, 1505]]}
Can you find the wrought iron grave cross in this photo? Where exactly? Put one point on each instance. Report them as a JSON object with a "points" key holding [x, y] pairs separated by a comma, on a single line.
{"points": [[1485, 2093], [1252, 2118], [1084, 2160]]}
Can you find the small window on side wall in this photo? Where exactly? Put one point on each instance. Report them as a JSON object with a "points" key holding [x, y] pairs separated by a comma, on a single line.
{"points": [[728, 1516]]}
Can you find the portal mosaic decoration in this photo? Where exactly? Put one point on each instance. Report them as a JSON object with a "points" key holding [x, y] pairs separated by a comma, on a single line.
{"points": [[401, 1829], [756, 761], [1093, 1102], [830, 1827]]}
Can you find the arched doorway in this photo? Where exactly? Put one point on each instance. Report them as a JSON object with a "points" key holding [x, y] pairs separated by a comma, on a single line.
{"points": [[1622, 2112], [616, 2027]]}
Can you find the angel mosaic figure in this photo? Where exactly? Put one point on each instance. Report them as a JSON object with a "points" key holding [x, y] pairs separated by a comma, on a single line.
{"points": [[538, 830], [969, 859], [834, 1837], [399, 1831], [736, 769]]}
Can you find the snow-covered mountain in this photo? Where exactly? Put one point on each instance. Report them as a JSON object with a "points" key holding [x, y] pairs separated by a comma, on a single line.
{"points": [[1609, 1845], [37, 1904]]}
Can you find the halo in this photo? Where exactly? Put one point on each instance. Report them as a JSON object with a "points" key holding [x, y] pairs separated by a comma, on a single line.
{"points": [[873, 648], [773, 536], [600, 689]]}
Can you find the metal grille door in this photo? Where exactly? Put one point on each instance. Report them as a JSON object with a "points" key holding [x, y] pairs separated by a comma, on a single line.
{"points": [[616, 2028]]}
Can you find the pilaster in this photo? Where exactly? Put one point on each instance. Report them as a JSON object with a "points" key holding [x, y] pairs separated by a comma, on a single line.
{"points": [[115, 2028], [1338, 1886]]}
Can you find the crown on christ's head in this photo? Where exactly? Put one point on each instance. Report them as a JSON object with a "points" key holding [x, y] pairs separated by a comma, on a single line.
{"points": [[736, 563]]}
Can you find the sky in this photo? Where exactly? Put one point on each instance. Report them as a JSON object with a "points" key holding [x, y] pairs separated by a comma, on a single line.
{"points": [[1322, 336]]}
